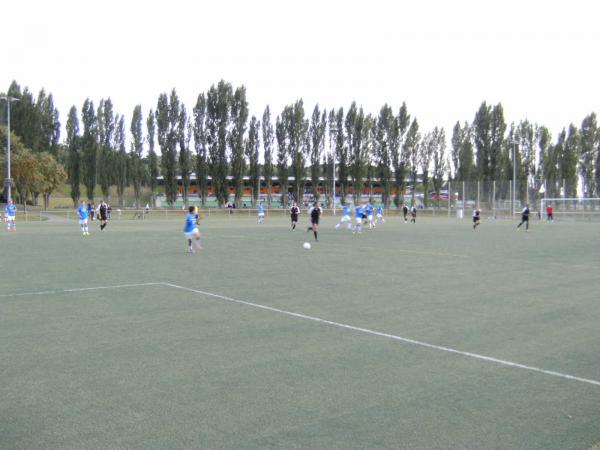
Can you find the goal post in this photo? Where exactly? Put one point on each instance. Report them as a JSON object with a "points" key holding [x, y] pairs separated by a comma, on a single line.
{"points": [[571, 208]]}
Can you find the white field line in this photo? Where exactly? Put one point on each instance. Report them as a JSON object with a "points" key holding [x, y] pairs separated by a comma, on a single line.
{"points": [[391, 336], [93, 288]]}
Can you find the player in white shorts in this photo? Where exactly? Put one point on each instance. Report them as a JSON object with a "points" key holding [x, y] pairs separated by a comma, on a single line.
{"points": [[345, 218], [261, 213], [379, 215], [11, 215], [82, 212]]}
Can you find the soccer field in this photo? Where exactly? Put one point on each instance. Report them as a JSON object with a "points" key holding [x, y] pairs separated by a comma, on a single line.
{"points": [[426, 336]]}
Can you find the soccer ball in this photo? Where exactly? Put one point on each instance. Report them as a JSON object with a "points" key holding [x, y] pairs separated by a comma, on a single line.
{"points": [[306, 246]]}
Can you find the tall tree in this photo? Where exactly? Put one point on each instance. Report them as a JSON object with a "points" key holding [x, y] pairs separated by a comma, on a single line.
{"points": [[73, 146], [267, 138], [412, 144], [107, 148], [252, 150], [296, 128], [355, 129], [239, 119], [547, 161], [400, 129], [152, 157], [439, 161], [482, 139], [341, 152], [184, 132], [568, 161], [167, 119], [120, 158], [282, 158], [89, 147], [218, 105], [137, 147], [200, 147], [52, 175], [426, 152], [318, 125], [590, 136], [383, 155]]}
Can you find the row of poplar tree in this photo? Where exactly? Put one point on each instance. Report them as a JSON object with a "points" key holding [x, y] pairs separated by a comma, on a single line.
{"points": [[218, 139]]}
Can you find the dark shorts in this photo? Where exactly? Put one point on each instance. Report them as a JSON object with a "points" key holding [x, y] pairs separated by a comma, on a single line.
{"points": [[314, 221], [103, 217], [294, 217], [364, 216], [524, 218], [475, 219]]}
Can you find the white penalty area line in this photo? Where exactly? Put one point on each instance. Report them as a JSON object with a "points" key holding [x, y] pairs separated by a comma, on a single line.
{"points": [[390, 336], [93, 288]]}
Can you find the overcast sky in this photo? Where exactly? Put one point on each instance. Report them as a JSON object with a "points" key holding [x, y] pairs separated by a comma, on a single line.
{"points": [[539, 59]]}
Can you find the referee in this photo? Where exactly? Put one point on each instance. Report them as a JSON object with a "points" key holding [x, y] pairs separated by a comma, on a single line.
{"points": [[315, 213]]}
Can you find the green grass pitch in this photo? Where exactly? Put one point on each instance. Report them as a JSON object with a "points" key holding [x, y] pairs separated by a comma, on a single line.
{"points": [[123, 340]]}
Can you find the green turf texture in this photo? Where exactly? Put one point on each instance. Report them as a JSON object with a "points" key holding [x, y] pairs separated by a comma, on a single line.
{"points": [[154, 367]]}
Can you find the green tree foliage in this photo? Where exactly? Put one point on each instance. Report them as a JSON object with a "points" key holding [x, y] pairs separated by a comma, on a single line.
{"points": [[439, 162], [137, 147], [282, 158], [384, 129], [318, 125], [152, 157], [73, 143], [590, 136], [120, 165], [412, 144], [167, 120], [336, 128], [296, 129], [201, 147], [218, 106], [107, 146], [267, 138], [89, 147], [239, 119], [426, 152], [252, 149], [52, 175], [462, 153], [399, 159], [184, 134], [568, 161], [355, 129]]}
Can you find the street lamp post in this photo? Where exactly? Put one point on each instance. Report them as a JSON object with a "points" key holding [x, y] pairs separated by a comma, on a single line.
{"points": [[332, 130], [8, 180], [514, 190]]}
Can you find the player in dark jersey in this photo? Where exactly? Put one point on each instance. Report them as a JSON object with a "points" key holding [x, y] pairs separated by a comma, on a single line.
{"points": [[476, 217], [294, 212], [405, 213], [413, 214], [315, 213], [103, 211], [524, 218]]}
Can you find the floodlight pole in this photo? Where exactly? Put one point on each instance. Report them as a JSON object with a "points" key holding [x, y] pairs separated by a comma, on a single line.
{"points": [[514, 199], [8, 180]]}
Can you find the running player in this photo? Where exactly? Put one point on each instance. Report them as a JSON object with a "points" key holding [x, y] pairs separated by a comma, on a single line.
{"points": [[476, 217], [345, 217], [103, 211], [190, 230], [294, 212], [358, 218], [379, 215], [405, 212], [524, 218], [11, 215], [413, 214], [369, 211], [82, 212], [261, 213], [315, 214]]}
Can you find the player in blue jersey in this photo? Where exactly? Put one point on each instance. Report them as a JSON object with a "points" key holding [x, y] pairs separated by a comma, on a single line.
{"points": [[369, 211], [379, 215], [261, 213], [358, 218], [11, 215], [191, 231], [345, 217], [82, 212]]}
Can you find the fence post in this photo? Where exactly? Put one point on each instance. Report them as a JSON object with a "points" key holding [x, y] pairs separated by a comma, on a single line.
{"points": [[512, 206], [463, 200], [477, 206]]}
